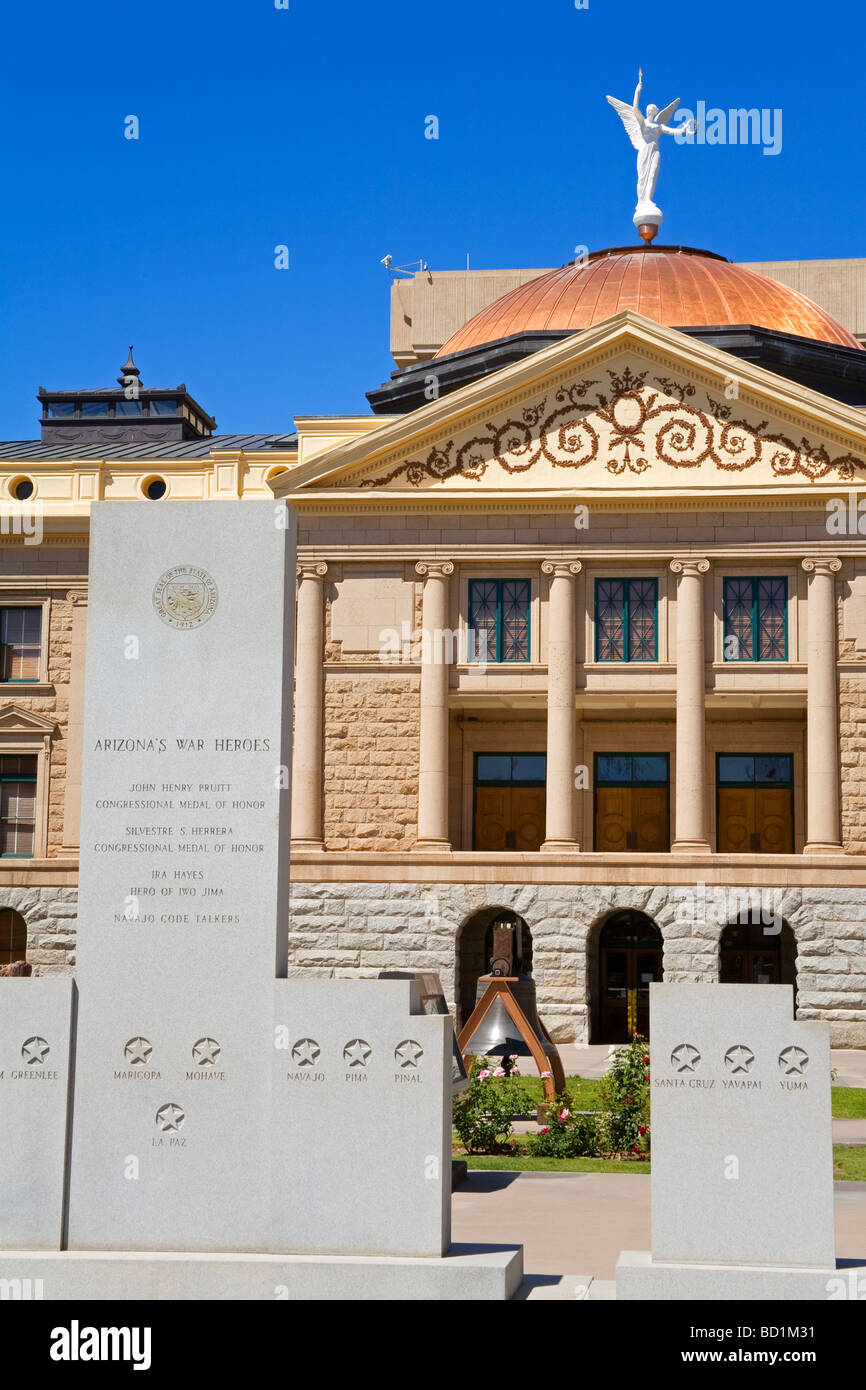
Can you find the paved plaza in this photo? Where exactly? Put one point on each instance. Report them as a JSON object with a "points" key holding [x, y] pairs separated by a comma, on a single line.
{"points": [[574, 1225]]}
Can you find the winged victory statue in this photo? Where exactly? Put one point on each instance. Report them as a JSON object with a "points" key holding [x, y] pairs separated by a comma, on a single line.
{"points": [[645, 133]]}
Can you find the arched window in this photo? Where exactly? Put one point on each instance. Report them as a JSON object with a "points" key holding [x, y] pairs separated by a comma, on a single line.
{"points": [[13, 936]]}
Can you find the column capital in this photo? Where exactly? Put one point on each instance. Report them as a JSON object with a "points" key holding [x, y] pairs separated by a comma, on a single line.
{"points": [[434, 569], [821, 564], [562, 569], [312, 569], [77, 597], [690, 564]]}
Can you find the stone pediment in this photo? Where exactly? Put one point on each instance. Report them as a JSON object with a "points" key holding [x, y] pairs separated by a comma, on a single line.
{"points": [[14, 719], [629, 405]]}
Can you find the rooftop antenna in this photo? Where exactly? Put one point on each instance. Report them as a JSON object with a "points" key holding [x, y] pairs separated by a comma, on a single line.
{"points": [[413, 267]]}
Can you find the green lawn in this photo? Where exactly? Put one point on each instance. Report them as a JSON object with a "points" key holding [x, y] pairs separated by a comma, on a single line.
{"points": [[584, 1091], [849, 1164], [525, 1163], [849, 1102]]}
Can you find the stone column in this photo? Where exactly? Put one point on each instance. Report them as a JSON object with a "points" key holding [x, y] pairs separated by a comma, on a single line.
{"points": [[690, 812], [823, 832], [435, 673], [561, 719], [308, 748]]}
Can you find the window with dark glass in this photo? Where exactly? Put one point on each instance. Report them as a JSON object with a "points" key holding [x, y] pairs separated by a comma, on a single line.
{"points": [[93, 408], [510, 769], [163, 408], [17, 807], [60, 410], [626, 620], [756, 619], [499, 619], [20, 643], [624, 769], [128, 408]]}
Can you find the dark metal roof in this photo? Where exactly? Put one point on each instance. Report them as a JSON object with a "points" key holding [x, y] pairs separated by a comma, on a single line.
{"points": [[830, 368], [176, 449]]}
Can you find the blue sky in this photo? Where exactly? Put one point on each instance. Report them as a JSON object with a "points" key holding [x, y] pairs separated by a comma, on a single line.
{"points": [[305, 127]]}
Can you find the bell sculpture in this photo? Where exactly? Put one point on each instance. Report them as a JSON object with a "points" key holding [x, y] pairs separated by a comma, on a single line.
{"points": [[505, 1019]]}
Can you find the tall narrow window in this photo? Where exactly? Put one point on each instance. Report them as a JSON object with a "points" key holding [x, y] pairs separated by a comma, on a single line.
{"points": [[756, 619], [17, 807], [626, 620], [20, 643], [499, 619]]}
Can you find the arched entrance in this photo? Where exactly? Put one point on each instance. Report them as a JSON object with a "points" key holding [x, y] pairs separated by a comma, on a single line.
{"points": [[13, 937], [474, 944], [629, 959], [751, 953]]}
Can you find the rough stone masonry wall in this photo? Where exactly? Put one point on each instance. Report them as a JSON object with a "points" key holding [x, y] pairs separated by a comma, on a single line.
{"points": [[50, 914], [372, 733], [357, 929], [852, 742]]}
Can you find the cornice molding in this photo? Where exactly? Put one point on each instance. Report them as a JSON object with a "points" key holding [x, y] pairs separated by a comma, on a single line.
{"points": [[476, 553]]}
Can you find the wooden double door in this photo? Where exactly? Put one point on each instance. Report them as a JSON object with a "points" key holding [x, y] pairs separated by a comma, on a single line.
{"points": [[630, 960], [749, 954], [632, 818], [755, 820], [509, 818]]}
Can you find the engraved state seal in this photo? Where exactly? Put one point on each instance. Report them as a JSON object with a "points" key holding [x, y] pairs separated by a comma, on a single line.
{"points": [[185, 597]]}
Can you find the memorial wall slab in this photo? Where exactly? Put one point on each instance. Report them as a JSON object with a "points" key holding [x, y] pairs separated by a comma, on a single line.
{"points": [[184, 865], [362, 1119], [742, 1168], [35, 1026]]}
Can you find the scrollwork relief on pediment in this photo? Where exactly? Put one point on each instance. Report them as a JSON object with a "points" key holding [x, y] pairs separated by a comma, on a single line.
{"points": [[637, 421]]}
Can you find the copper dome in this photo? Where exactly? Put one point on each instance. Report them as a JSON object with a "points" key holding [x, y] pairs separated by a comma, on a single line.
{"points": [[674, 285]]}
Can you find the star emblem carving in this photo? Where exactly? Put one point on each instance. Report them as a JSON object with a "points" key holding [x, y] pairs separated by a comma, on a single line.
{"points": [[170, 1117], [305, 1052], [793, 1061], [137, 1052], [408, 1053], [739, 1058], [357, 1052], [34, 1051], [685, 1057], [206, 1051]]}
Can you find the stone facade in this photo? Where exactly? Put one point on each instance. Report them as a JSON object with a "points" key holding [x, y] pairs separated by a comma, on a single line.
{"points": [[357, 929], [51, 914], [371, 761], [852, 743]]}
